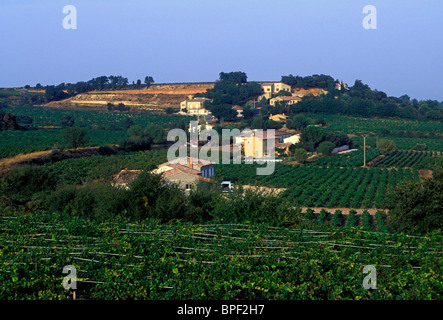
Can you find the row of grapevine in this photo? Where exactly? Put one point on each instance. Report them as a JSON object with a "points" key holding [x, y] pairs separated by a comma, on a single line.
{"points": [[351, 159], [148, 260], [318, 186], [402, 159]]}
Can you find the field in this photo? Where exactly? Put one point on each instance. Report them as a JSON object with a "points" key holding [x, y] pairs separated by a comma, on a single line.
{"points": [[102, 127], [405, 159], [312, 186], [148, 260], [403, 143], [348, 124], [76, 171], [351, 159]]}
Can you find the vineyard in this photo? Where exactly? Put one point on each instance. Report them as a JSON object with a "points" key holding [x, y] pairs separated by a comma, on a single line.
{"points": [[351, 159], [51, 117], [320, 186], [13, 142], [403, 143], [76, 171], [348, 124], [102, 128], [148, 260], [404, 159]]}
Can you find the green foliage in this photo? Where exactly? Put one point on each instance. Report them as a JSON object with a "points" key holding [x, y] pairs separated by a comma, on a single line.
{"points": [[309, 214], [300, 155], [380, 219], [325, 148], [22, 183], [366, 220], [416, 206], [297, 121], [386, 146], [121, 260], [311, 137], [311, 185], [75, 136], [351, 220], [337, 218], [67, 121], [323, 216]]}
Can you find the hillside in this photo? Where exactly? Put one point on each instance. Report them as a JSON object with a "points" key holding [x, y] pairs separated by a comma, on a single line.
{"points": [[153, 98]]}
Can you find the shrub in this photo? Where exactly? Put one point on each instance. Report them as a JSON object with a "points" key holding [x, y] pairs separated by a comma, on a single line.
{"points": [[21, 183], [366, 220], [135, 144], [325, 148], [337, 219], [380, 219], [58, 200], [323, 216], [309, 214], [351, 222]]}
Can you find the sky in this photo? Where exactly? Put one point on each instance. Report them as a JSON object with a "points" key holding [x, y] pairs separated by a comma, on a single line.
{"points": [[194, 40]]}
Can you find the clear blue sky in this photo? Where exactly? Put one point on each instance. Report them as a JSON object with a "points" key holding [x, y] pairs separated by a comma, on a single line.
{"points": [[194, 40]]}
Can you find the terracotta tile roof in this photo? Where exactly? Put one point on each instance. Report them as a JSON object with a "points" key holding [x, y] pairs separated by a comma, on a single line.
{"points": [[126, 176], [200, 162], [185, 169]]}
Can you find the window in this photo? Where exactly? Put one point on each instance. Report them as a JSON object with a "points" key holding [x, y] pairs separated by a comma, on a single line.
{"points": [[188, 187]]}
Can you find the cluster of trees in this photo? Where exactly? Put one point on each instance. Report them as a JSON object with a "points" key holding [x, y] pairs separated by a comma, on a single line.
{"points": [[65, 90], [230, 89], [313, 138], [141, 138], [416, 207], [147, 197], [119, 107], [9, 121], [360, 100], [315, 81]]}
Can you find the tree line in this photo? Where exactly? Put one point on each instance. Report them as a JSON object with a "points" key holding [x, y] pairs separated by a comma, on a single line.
{"points": [[66, 90]]}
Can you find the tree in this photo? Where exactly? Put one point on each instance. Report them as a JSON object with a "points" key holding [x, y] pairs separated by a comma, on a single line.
{"points": [[149, 80], [170, 110], [67, 121], [312, 136], [248, 110], [300, 155], [75, 136], [258, 123], [386, 146], [298, 122], [417, 206], [325, 148], [127, 123]]}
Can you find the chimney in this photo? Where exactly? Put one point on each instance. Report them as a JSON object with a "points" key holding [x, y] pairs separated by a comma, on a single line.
{"points": [[190, 162]]}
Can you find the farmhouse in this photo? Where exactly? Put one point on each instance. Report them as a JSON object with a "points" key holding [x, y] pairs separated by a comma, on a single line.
{"points": [[239, 110], [270, 88], [258, 145], [204, 167], [194, 106], [292, 139], [278, 117], [290, 100], [184, 175]]}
